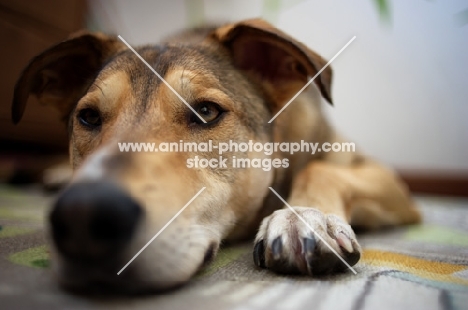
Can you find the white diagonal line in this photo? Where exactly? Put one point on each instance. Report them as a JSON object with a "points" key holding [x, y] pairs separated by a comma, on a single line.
{"points": [[311, 80], [161, 78], [161, 230], [310, 227]]}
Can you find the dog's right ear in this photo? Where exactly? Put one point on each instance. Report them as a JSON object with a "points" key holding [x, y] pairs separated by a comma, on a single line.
{"points": [[282, 64], [59, 76]]}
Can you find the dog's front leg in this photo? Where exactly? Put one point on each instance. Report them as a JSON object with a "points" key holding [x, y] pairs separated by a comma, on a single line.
{"points": [[326, 198]]}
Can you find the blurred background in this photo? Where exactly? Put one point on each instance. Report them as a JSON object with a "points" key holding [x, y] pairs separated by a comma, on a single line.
{"points": [[400, 89]]}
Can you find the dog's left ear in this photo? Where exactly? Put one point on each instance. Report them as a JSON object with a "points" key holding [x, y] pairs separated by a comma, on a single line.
{"points": [[60, 75], [279, 61]]}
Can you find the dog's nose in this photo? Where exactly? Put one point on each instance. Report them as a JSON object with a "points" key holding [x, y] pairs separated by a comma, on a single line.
{"points": [[93, 220]]}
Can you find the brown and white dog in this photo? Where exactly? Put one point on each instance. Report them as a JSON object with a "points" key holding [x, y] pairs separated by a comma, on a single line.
{"points": [[236, 77]]}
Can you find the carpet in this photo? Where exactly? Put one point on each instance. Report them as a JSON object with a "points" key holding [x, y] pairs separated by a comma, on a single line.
{"points": [[415, 267]]}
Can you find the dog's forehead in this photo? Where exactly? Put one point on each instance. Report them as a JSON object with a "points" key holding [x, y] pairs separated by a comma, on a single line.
{"points": [[167, 60], [164, 57]]}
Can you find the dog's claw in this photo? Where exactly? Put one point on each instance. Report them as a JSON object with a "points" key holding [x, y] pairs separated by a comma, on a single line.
{"points": [[308, 246], [344, 242], [259, 254], [277, 248]]}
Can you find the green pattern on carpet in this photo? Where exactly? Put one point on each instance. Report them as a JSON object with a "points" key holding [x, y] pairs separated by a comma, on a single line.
{"points": [[224, 257], [37, 257], [11, 231], [437, 234], [12, 214], [9, 192]]}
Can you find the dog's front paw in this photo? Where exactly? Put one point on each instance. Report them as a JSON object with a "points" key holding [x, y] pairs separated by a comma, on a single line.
{"points": [[286, 244]]}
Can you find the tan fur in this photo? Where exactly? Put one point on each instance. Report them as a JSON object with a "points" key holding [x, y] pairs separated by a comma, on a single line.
{"points": [[338, 188]]}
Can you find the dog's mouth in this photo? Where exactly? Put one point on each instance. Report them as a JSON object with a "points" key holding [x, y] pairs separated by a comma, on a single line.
{"points": [[94, 280]]}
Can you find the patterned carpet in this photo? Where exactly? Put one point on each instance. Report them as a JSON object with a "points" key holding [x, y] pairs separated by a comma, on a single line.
{"points": [[417, 267]]}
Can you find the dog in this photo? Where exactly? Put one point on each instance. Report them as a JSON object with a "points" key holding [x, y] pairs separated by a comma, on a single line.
{"points": [[236, 77]]}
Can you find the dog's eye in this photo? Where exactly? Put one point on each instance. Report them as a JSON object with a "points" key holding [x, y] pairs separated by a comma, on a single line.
{"points": [[209, 111], [90, 118]]}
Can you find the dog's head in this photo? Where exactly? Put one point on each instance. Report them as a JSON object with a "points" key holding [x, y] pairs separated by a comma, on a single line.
{"points": [[235, 77]]}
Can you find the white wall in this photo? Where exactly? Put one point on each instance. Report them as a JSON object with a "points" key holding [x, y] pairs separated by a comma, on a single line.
{"points": [[400, 89]]}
